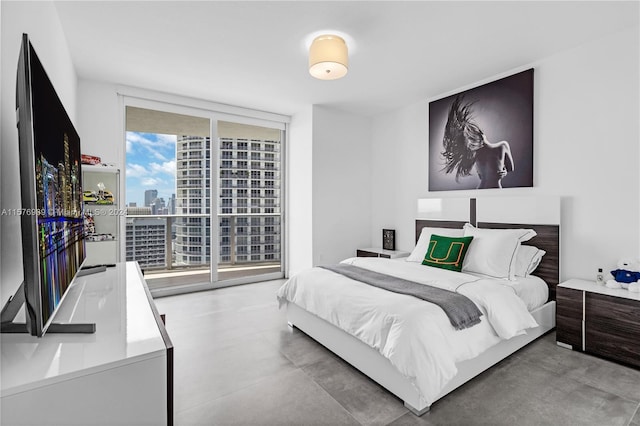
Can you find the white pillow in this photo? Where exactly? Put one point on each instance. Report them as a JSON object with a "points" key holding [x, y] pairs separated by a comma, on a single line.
{"points": [[527, 260], [493, 251], [420, 250]]}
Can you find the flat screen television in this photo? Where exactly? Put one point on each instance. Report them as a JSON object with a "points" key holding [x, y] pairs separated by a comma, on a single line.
{"points": [[53, 245]]}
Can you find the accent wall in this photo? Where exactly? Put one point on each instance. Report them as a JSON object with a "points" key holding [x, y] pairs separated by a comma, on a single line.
{"points": [[586, 150]]}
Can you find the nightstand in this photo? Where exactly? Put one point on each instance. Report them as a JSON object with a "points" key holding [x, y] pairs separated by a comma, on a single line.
{"points": [[599, 320], [379, 252]]}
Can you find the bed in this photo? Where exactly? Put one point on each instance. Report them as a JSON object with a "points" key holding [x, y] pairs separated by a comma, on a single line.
{"points": [[408, 348]]}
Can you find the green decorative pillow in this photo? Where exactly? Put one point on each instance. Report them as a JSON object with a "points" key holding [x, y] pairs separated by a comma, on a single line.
{"points": [[447, 252]]}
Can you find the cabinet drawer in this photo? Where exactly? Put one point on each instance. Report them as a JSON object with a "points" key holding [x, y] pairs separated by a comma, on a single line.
{"points": [[569, 303], [364, 253], [600, 340], [569, 331], [615, 313]]}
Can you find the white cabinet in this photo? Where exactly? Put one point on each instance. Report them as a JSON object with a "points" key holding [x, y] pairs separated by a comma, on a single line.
{"points": [[120, 375], [103, 213]]}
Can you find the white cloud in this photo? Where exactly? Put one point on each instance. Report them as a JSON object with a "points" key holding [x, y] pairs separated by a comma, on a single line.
{"points": [[151, 146], [168, 167], [166, 140], [150, 181], [136, 170], [159, 156]]}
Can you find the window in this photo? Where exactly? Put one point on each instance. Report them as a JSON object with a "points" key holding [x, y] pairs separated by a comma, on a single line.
{"points": [[239, 164]]}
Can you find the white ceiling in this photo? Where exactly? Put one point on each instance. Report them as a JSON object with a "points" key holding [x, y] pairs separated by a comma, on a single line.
{"points": [[253, 54]]}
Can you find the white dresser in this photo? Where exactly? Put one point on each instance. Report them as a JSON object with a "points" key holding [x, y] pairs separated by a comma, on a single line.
{"points": [[120, 375]]}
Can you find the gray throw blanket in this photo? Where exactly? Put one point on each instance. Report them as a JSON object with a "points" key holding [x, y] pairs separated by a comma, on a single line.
{"points": [[462, 312]]}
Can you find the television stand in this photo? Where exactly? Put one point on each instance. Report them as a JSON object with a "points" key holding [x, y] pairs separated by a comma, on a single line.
{"points": [[13, 305], [120, 375]]}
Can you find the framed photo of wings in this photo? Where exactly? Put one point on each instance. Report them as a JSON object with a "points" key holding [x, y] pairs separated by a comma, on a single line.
{"points": [[482, 137]]}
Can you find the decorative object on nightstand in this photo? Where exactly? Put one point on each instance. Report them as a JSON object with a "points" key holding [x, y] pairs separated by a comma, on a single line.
{"points": [[389, 239], [599, 320], [381, 252], [628, 273]]}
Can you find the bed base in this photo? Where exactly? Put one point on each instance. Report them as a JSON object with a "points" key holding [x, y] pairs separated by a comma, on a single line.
{"points": [[370, 362]]}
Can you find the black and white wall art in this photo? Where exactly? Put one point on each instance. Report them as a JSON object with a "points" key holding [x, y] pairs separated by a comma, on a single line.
{"points": [[483, 137]]}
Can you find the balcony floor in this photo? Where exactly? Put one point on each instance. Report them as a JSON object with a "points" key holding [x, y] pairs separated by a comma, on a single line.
{"points": [[172, 278]]}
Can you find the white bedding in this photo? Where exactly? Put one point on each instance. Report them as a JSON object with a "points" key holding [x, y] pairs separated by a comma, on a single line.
{"points": [[533, 291], [416, 336]]}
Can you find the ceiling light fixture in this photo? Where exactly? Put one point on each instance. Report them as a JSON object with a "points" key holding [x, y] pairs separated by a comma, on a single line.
{"points": [[328, 57]]}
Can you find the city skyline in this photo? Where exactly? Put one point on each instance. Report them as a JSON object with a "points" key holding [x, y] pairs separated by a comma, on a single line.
{"points": [[150, 165], [249, 205]]}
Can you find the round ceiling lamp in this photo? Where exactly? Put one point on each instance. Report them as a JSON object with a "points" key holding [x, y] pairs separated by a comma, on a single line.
{"points": [[328, 57]]}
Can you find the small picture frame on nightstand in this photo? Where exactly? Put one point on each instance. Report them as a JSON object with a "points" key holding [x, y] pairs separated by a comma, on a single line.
{"points": [[389, 239]]}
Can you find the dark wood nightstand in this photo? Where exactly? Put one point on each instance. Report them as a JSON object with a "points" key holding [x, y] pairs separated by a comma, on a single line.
{"points": [[599, 320], [379, 252]]}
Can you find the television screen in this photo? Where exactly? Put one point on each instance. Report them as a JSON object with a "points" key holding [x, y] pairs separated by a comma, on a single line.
{"points": [[52, 208]]}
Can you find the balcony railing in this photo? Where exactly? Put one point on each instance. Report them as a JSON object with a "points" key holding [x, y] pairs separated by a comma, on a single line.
{"points": [[177, 245]]}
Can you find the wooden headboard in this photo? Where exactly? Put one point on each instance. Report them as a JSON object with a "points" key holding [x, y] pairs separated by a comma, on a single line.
{"points": [[548, 239]]}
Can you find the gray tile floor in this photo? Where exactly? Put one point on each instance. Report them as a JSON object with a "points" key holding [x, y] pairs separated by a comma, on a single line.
{"points": [[238, 363]]}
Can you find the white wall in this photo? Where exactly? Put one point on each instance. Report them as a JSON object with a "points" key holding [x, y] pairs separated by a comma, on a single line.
{"points": [[586, 109], [99, 120], [299, 186], [40, 21], [341, 184]]}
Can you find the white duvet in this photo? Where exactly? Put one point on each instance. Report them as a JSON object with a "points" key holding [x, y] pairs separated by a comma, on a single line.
{"points": [[416, 336]]}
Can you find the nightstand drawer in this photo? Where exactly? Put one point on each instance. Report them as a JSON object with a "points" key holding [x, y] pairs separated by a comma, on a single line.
{"points": [[614, 344], [614, 312], [364, 253], [379, 252], [569, 303]]}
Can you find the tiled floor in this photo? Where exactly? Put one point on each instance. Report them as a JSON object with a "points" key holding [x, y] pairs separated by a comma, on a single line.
{"points": [[238, 363]]}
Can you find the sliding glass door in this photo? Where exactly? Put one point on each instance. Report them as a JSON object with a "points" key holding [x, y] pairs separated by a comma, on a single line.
{"points": [[202, 212], [250, 200]]}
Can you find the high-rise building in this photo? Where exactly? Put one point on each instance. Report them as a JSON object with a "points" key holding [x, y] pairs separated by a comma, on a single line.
{"points": [[171, 204], [249, 204], [134, 210], [193, 155], [249, 200], [149, 196], [158, 206], [146, 239]]}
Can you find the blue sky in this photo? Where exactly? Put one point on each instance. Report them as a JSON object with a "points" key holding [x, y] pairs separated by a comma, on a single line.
{"points": [[151, 164]]}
